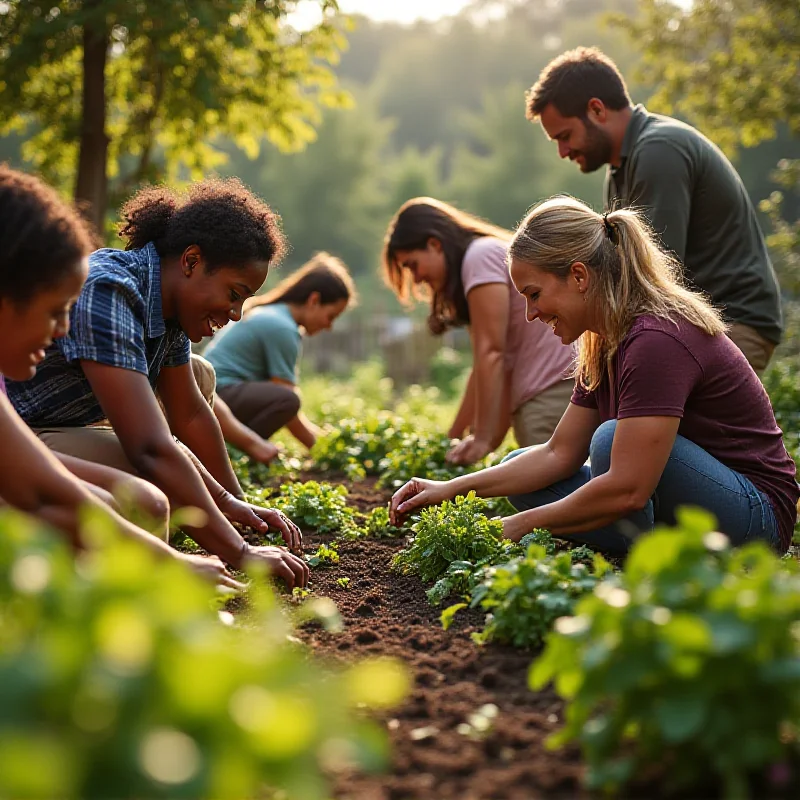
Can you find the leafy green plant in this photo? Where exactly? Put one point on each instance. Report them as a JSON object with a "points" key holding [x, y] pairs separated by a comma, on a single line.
{"points": [[357, 446], [118, 678], [419, 455], [318, 506], [377, 525], [343, 583], [325, 556], [688, 661], [524, 596], [455, 531]]}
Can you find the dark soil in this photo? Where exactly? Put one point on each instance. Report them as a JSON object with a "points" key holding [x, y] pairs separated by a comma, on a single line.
{"points": [[388, 614]]}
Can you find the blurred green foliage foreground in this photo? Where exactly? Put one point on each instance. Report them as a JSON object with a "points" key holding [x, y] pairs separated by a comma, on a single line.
{"points": [[121, 677]]}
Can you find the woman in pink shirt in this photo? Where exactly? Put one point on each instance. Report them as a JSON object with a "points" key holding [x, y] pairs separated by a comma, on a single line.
{"points": [[521, 374]]}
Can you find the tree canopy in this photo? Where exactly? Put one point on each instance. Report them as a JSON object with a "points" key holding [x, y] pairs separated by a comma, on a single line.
{"points": [[159, 82]]}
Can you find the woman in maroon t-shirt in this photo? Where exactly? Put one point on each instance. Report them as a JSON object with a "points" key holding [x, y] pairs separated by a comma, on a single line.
{"points": [[666, 408]]}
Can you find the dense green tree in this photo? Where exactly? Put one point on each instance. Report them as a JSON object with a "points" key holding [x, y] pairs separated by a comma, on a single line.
{"points": [[732, 66], [331, 194], [100, 87]]}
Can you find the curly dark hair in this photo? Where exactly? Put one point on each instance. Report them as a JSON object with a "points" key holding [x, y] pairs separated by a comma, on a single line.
{"points": [[572, 79], [230, 225], [41, 237]]}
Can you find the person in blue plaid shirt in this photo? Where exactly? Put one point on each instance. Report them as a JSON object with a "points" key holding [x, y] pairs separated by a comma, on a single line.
{"points": [[189, 264]]}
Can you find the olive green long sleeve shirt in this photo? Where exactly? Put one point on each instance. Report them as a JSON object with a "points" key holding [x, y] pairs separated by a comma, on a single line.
{"points": [[700, 209]]}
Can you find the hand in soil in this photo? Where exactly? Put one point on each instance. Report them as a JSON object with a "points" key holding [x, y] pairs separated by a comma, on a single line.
{"points": [[468, 451], [262, 519], [293, 571], [211, 569], [418, 492]]}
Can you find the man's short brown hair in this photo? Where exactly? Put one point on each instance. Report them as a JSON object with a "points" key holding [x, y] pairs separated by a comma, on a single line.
{"points": [[572, 79]]}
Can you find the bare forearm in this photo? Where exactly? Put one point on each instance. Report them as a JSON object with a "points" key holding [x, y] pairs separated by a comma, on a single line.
{"points": [[466, 411], [234, 431], [599, 502], [538, 467], [490, 411], [203, 436], [303, 430], [175, 474]]}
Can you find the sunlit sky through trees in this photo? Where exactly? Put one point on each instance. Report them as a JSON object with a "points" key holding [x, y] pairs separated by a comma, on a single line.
{"points": [[307, 13]]}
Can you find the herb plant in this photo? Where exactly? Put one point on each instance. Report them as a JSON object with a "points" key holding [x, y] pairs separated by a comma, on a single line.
{"points": [[688, 661], [318, 506], [524, 596], [377, 525], [326, 556], [356, 447], [455, 531]]}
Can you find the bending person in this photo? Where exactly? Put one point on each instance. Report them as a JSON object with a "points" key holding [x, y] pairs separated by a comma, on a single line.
{"points": [[189, 266], [256, 359], [519, 371], [666, 407], [43, 249]]}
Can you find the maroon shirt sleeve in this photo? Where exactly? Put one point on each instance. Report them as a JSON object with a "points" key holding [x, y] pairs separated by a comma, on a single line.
{"points": [[583, 397], [657, 372]]}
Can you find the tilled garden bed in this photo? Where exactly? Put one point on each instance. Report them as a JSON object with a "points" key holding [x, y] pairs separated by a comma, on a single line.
{"points": [[388, 614]]}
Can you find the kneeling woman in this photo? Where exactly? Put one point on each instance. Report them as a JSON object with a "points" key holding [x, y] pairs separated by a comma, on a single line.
{"points": [[256, 359], [190, 264], [665, 407], [519, 371]]}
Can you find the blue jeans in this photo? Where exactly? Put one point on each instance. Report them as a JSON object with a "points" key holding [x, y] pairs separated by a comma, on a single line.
{"points": [[692, 477]]}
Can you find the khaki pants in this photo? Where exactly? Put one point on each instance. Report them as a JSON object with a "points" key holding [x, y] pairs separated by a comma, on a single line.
{"points": [[536, 419], [757, 350], [99, 444]]}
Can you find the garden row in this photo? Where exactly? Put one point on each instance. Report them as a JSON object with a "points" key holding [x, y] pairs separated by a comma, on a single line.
{"points": [[685, 664]]}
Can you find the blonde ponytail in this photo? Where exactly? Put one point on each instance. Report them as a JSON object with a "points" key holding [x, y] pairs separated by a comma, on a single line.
{"points": [[632, 275]]}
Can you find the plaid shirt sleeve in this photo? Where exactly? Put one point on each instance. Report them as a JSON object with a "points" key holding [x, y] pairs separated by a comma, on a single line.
{"points": [[107, 324], [179, 352]]}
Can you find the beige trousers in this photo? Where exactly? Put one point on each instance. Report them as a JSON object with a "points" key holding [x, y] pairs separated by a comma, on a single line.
{"points": [[757, 350], [536, 419], [99, 444]]}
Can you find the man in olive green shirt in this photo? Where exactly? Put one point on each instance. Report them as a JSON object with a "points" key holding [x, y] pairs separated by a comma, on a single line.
{"points": [[690, 192]]}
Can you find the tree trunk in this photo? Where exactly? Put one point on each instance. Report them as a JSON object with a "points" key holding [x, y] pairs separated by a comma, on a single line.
{"points": [[91, 185]]}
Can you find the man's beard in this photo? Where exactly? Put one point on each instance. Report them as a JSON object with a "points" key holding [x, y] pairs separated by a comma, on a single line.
{"points": [[597, 150]]}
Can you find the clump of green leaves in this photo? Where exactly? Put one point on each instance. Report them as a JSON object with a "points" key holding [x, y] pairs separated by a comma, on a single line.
{"points": [[343, 583], [689, 658], [420, 455], [327, 555], [120, 679], [524, 596], [455, 531], [357, 446], [318, 506], [377, 525]]}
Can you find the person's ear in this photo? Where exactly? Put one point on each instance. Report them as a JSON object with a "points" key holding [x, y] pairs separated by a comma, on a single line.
{"points": [[581, 276], [434, 244], [596, 110], [191, 260], [313, 300]]}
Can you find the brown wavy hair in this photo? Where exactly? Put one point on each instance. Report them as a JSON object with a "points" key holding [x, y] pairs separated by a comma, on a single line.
{"points": [[416, 222], [323, 273]]}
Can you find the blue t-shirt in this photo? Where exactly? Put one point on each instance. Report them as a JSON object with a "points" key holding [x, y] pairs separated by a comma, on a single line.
{"points": [[117, 320], [263, 345]]}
